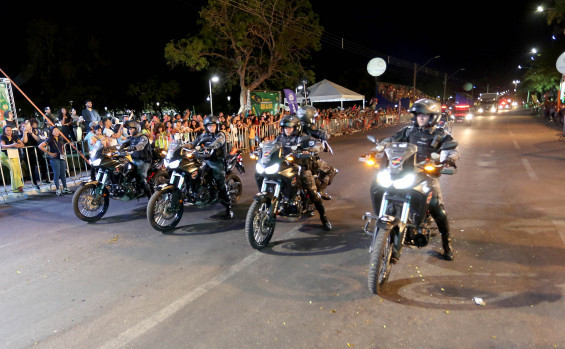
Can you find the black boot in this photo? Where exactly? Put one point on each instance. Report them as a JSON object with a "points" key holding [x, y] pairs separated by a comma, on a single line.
{"points": [[447, 246], [440, 217], [326, 225]]}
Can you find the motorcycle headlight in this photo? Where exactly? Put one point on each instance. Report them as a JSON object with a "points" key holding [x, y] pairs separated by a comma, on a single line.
{"points": [[404, 182], [272, 169], [172, 164], [384, 179], [96, 162], [259, 168]]}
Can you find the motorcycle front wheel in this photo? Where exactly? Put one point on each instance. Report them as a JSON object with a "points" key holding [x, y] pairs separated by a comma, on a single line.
{"points": [[161, 213], [89, 204], [233, 182], [380, 263], [259, 224]]}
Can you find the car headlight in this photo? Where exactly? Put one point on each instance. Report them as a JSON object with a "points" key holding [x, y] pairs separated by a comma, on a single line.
{"points": [[96, 162], [468, 116], [480, 110]]}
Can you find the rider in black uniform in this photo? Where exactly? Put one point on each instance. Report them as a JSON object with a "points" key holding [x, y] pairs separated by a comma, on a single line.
{"points": [[140, 148], [291, 136], [307, 116], [429, 139], [214, 141]]}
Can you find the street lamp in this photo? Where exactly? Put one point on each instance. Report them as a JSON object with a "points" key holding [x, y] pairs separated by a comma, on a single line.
{"points": [[515, 82], [416, 72], [210, 81], [447, 78], [229, 107]]}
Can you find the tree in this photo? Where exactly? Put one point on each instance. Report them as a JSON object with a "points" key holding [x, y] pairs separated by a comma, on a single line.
{"points": [[253, 44], [556, 15], [154, 90]]}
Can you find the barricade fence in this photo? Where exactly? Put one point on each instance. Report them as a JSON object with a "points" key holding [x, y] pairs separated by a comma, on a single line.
{"points": [[30, 167]]}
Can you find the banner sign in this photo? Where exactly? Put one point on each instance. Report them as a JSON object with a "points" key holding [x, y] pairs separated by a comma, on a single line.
{"points": [[291, 99], [4, 98], [264, 102]]}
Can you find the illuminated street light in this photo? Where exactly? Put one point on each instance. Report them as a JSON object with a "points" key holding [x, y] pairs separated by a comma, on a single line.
{"points": [[210, 81], [515, 82]]}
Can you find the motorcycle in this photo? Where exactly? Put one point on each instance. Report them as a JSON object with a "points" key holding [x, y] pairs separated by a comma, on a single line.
{"points": [[401, 195], [116, 178], [277, 178], [190, 184]]}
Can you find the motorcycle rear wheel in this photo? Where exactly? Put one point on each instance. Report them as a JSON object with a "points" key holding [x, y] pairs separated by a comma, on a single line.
{"points": [[160, 213], [380, 264], [88, 205], [259, 225]]}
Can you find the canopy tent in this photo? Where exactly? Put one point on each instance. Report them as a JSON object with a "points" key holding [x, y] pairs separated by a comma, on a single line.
{"points": [[327, 91]]}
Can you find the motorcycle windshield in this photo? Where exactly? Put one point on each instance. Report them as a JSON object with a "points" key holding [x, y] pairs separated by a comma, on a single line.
{"points": [[270, 151], [398, 154], [173, 148], [96, 151]]}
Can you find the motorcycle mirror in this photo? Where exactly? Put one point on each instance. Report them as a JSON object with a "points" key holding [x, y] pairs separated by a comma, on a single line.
{"points": [[449, 145], [371, 139]]}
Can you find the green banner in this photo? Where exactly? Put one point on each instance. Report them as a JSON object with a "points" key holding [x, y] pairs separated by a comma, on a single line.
{"points": [[4, 99], [264, 102]]}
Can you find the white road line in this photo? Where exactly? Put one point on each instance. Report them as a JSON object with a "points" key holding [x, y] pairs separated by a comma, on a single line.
{"points": [[560, 225], [516, 145], [145, 325], [530, 170]]}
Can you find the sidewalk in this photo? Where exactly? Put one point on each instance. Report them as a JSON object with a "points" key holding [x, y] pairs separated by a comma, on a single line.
{"points": [[7, 196]]}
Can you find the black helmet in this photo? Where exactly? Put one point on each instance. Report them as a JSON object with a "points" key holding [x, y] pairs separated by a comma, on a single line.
{"points": [[291, 121], [211, 119], [133, 125], [307, 114], [429, 107]]}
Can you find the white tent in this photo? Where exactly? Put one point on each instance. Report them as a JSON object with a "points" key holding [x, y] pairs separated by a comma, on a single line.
{"points": [[327, 91]]}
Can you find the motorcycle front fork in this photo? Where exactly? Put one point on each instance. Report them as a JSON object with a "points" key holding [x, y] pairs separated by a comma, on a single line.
{"points": [[383, 220]]}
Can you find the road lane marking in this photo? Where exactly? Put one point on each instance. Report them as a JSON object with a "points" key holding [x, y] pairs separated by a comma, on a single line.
{"points": [[145, 325], [530, 170], [516, 145], [560, 225]]}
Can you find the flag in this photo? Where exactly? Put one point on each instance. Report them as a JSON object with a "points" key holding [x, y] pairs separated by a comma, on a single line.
{"points": [[291, 99]]}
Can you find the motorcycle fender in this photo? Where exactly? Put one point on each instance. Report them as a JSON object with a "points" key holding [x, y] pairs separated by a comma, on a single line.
{"points": [[95, 183], [165, 186]]}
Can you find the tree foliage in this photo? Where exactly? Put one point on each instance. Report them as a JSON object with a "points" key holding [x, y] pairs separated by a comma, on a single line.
{"points": [[254, 44]]}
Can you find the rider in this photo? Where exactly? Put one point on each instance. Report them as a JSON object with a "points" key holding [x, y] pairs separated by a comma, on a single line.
{"points": [[429, 139], [291, 136], [307, 116], [139, 146], [214, 141]]}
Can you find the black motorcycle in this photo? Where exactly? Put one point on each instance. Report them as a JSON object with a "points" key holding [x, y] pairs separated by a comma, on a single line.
{"points": [[280, 193], [116, 178], [191, 183], [401, 195]]}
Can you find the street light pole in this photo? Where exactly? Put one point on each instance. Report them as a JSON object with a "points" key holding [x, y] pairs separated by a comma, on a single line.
{"points": [[212, 79], [445, 82], [416, 72]]}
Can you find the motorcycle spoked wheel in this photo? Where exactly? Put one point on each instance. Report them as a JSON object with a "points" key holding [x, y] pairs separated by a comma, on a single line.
{"points": [[380, 261], [88, 205], [160, 213], [233, 182], [259, 225]]}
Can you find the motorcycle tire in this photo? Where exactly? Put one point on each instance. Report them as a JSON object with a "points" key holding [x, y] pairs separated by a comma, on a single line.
{"points": [[159, 212], [233, 182], [380, 261], [259, 225], [89, 206]]}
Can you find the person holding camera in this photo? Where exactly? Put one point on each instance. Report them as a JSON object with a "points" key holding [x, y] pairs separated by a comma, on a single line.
{"points": [[54, 148]]}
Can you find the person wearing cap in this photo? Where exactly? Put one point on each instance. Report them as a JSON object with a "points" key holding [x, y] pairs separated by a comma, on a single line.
{"points": [[54, 148]]}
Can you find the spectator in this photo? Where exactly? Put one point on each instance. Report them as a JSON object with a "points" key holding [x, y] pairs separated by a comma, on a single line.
{"points": [[54, 148], [78, 124], [90, 115], [9, 121], [111, 136], [12, 159], [66, 124], [31, 140]]}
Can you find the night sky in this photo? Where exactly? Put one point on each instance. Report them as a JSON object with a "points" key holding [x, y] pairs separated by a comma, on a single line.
{"points": [[487, 39]]}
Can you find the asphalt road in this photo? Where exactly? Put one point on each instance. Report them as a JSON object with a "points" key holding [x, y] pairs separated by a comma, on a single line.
{"points": [[119, 283]]}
